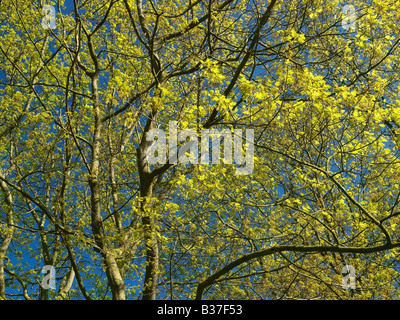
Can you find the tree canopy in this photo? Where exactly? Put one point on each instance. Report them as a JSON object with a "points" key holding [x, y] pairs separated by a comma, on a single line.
{"points": [[78, 100]]}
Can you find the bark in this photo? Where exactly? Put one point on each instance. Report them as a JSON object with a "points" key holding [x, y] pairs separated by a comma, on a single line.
{"points": [[7, 237], [47, 258], [114, 193], [150, 237], [72, 259], [148, 215], [67, 286], [113, 273]]}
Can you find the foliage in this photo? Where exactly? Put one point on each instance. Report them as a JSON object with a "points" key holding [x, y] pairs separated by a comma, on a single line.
{"points": [[77, 103]]}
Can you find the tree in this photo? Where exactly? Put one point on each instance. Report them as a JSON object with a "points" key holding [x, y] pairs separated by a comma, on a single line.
{"points": [[79, 101]]}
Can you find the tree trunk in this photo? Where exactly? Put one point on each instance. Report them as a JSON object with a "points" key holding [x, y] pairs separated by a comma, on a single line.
{"points": [[8, 236], [148, 215], [113, 273], [150, 237]]}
